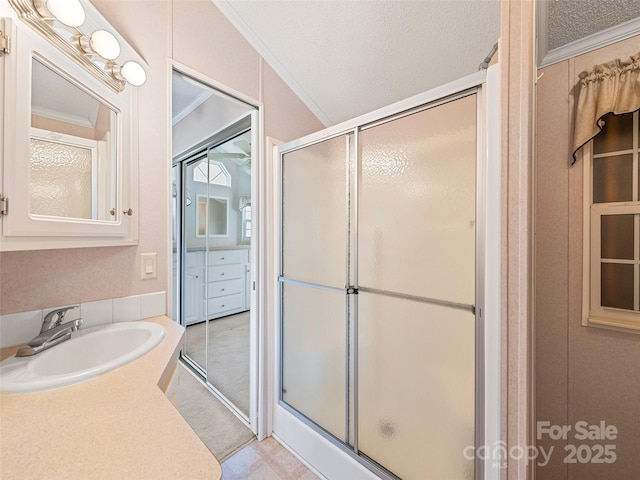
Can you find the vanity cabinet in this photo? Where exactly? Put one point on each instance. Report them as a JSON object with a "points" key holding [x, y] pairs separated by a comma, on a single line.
{"points": [[170, 385], [216, 284]]}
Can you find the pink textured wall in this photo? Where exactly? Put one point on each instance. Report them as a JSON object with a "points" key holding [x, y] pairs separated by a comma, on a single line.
{"points": [[195, 34], [582, 373]]}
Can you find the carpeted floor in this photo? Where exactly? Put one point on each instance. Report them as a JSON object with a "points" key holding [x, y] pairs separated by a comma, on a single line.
{"points": [[220, 430], [228, 356]]}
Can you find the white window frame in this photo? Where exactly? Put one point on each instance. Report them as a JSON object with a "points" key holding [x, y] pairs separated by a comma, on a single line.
{"points": [[213, 180], [593, 313], [83, 143], [246, 223]]}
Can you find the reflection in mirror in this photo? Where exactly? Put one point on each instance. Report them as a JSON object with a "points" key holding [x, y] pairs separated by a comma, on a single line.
{"points": [[72, 160], [213, 216]]}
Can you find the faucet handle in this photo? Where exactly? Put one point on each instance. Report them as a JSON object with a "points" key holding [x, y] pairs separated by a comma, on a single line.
{"points": [[55, 317]]}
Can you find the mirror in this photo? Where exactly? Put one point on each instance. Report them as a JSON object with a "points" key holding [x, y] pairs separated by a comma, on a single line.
{"points": [[70, 158], [72, 152], [213, 216]]}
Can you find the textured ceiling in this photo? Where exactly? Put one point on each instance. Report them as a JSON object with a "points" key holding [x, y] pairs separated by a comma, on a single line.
{"points": [[571, 20], [347, 58], [344, 58]]}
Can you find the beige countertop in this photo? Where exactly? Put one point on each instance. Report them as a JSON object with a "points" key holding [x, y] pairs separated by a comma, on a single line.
{"points": [[117, 426]]}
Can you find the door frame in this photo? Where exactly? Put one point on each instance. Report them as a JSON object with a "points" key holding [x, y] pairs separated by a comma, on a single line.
{"points": [[258, 253]]}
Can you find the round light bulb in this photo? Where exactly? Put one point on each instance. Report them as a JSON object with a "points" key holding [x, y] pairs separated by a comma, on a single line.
{"points": [[105, 44], [69, 12], [133, 73]]}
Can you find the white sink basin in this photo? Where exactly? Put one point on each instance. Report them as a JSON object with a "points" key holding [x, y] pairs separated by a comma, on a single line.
{"points": [[89, 353]]}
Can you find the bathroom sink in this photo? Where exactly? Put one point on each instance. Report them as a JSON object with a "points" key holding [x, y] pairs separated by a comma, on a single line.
{"points": [[89, 353]]}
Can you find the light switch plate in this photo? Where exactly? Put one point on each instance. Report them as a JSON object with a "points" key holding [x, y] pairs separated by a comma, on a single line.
{"points": [[148, 266]]}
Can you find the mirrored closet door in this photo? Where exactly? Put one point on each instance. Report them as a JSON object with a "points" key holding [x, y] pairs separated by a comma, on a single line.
{"points": [[213, 137]]}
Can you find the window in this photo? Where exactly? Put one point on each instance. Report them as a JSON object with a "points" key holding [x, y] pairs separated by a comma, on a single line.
{"points": [[246, 223], [218, 174], [612, 225], [63, 176]]}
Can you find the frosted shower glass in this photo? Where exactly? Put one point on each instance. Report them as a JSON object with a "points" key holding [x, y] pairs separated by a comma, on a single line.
{"points": [[60, 179], [417, 203], [416, 387], [314, 213], [313, 355]]}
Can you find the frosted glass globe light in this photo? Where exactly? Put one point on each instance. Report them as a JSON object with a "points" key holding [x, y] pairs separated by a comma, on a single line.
{"points": [[133, 73], [69, 12], [105, 44]]}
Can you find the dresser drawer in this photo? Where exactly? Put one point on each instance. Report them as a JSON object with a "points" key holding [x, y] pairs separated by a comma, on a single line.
{"points": [[225, 272], [225, 257], [224, 304], [225, 287]]}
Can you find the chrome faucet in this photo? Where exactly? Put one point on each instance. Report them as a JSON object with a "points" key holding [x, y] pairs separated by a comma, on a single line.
{"points": [[52, 332]]}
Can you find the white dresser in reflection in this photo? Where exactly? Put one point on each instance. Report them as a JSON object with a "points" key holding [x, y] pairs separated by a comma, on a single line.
{"points": [[218, 288]]}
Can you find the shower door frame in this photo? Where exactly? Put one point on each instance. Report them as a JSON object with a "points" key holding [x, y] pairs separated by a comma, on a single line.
{"points": [[298, 432]]}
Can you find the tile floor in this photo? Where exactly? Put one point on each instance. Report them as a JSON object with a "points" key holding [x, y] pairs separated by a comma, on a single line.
{"points": [[265, 460]]}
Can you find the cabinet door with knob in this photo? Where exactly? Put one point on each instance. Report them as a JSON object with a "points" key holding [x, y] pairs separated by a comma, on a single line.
{"points": [[194, 288]]}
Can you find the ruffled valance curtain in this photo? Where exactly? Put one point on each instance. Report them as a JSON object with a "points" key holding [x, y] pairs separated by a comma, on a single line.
{"points": [[613, 87]]}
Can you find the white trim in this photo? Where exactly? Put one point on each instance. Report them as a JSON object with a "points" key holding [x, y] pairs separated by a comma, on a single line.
{"points": [[259, 257], [492, 277], [258, 262], [207, 81], [256, 42], [592, 42], [542, 30], [268, 293], [61, 117]]}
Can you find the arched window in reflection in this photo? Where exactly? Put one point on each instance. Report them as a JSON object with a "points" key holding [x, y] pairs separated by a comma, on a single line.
{"points": [[217, 175]]}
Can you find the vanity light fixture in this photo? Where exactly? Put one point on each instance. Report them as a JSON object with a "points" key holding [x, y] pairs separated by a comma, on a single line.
{"points": [[59, 21], [134, 73], [69, 12], [105, 44], [131, 72]]}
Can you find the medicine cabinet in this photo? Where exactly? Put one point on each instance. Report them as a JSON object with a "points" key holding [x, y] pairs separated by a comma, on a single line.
{"points": [[70, 167]]}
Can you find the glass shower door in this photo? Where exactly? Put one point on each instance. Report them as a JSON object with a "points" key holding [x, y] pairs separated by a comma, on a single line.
{"points": [[378, 290], [314, 275], [416, 282]]}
